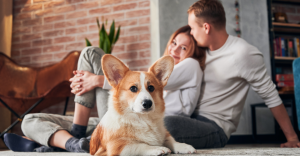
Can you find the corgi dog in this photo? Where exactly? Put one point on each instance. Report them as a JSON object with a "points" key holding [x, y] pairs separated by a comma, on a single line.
{"points": [[134, 122]]}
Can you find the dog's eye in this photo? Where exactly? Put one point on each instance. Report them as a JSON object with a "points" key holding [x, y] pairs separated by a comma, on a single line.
{"points": [[133, 88], [151, 88]]}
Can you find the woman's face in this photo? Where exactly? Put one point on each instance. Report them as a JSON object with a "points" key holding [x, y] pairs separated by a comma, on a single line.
{"points": [[178, 47]]}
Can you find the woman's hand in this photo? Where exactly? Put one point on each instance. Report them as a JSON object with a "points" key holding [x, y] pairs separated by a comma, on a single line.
{"points": [[83, 81]]}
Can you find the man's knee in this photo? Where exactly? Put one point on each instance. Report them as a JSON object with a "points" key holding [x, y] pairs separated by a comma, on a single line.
{"points": [[91, 51]]}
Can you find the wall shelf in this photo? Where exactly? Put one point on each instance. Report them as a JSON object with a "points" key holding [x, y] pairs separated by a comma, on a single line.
{"points": [[284, 58]]}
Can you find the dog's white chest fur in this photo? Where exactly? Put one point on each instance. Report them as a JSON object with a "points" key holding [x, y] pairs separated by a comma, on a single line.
{"points": [[144, 129]]}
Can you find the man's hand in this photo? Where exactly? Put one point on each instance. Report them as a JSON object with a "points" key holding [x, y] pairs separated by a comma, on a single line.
{"points": [[284, 121], [84, 81], [294, 144]]}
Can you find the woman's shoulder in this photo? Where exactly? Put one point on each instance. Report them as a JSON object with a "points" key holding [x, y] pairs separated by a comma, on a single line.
{"points": [[189, 60]]}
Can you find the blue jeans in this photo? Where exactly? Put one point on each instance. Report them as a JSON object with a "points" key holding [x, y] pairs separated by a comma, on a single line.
{"points": [[197, 131]]}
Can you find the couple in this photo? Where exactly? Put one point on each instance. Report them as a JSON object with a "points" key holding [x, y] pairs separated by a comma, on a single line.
{"points": [[204, 96]]}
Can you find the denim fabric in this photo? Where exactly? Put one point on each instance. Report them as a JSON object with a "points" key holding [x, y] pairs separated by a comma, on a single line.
{"points": [[90, 60], [197, 131], [41, 126]]}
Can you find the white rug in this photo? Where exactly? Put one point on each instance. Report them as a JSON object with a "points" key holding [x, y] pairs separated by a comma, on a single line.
{"points": [[257, 151]]}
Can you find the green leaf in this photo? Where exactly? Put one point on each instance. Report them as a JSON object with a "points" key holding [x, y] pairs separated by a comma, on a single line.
{"points": [[112, 32], [117, 35], [98, 23], [87, 42], [102, 34], [107, 45]]}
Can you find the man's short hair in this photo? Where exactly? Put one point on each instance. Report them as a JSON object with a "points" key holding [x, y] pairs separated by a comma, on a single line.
{"points": [[209, 11]]}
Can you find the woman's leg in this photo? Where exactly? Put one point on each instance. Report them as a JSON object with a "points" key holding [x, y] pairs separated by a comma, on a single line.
{"points": [[198, 131], [90, 60], [53, 130]]}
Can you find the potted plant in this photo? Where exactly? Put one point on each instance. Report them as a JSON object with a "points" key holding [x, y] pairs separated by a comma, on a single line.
{"points": [[106, 41]]}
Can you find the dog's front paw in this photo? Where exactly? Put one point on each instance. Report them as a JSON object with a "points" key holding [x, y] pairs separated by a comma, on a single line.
{"points": [[183, 148], [158, 151]]}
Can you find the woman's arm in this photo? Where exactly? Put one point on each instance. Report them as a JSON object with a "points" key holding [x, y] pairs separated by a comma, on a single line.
{"points": [[185, 74]]}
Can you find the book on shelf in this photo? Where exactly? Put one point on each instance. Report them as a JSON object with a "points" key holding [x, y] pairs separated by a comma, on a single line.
{"points": [[286, 46], [284, 77], [285, 84]]}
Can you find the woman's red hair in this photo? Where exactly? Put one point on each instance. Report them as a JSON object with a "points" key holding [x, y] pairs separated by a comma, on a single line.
{"points": [[193, 50]]}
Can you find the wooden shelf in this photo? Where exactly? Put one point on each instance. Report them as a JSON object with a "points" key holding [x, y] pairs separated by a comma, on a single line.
{"points": [[284, 58], [286, 24]]}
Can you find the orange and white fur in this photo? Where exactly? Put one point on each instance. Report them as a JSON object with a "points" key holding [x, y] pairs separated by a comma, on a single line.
{"points": [[134, 122]]}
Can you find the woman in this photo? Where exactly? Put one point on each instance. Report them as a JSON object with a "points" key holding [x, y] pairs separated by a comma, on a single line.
{"points": [[89, 85]]}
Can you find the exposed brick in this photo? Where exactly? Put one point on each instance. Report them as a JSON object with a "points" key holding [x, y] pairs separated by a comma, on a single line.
{"points": [[127, 55], [88, 5], [16, 46], [54, 18], [38, 1], [144, 4], [17, 24], [126, 23], [21, 30], [86, 20], [33, 51], [43, 12], [74, 1], [76, 14], [144, 20], [146, 53], [127, 39], [125, 7], [64, 24], [113, 16], [144, 37], [65, 9], [21, 2], [53, 33], [53, 48], [16, 39], [76, 30], [41, 58], [15, 53], [32, 7], [138, 63], [22, 60], [118, 48], [64, 39], [88, 36], [75, 46], [17, 10], [32, 22], [53, 3], [42, 28], [138, 46], [109, 2], [31, 36], [93, 28], [137, 13], [100, 11], [42, 42], [22, 16], [60, 56], [139, 29]]}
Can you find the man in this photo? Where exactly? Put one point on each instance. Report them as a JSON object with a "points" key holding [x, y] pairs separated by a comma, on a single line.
{"points": [[232, 66]]}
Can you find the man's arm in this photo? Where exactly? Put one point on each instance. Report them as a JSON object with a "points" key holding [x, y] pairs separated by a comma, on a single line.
{"points": [[283, 120]]}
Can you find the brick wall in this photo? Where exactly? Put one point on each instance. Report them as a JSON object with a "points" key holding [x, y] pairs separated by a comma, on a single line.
{"points": [[292, 11], [44, 31]]}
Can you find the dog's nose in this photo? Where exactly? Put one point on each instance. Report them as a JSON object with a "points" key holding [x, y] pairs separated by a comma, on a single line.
{"points": [[147, 104]]}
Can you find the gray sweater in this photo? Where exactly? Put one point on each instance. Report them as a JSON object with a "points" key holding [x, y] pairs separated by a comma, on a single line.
{"points": [[230, 71]]}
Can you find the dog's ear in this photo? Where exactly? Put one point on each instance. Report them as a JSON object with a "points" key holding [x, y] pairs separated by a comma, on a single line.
{"points": [[162, 69], [114, 69]]}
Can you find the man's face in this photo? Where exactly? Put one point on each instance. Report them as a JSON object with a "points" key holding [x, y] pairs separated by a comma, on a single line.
{"points": [[197, 31]]}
